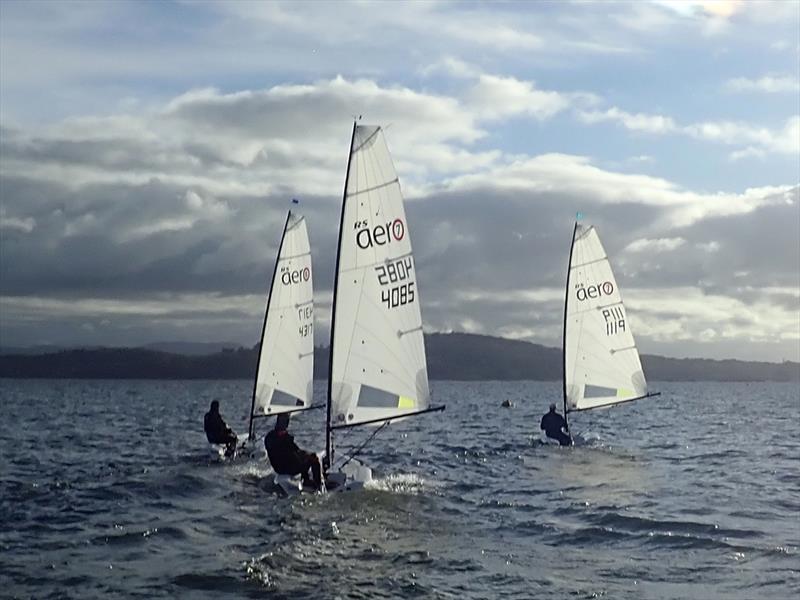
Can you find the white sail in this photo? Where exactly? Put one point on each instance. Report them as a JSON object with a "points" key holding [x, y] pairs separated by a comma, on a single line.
{"points": [[378, 364], [601, 362], [285, 376]]}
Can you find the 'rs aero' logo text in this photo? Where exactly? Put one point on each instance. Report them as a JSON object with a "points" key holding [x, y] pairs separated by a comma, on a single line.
{"points": [[288, 276], [380, 234], [594, 291]]}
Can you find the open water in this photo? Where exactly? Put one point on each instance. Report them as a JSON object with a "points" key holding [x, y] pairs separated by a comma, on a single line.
{"points": [[107, 492]]}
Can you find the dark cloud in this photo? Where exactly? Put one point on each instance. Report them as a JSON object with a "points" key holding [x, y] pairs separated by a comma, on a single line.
{"points": [[93, 228], [763, 245], [482, 255]]}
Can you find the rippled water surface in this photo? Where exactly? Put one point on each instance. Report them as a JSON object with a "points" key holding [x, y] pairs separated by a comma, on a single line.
{"points": [[107, 492]]}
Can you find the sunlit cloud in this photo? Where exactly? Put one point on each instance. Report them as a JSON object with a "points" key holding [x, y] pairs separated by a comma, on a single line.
{"points": [[755, 140], [657, 245], [768, 84], [634, 122]]}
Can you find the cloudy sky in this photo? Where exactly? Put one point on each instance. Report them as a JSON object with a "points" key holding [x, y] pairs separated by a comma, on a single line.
{"points": [[149, 151]]}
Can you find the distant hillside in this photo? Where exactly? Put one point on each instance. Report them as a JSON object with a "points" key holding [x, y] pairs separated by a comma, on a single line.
{"points": [[187, 348], [454, 356], [129, 363], [47, 349], [191, 348], [464, 356]]}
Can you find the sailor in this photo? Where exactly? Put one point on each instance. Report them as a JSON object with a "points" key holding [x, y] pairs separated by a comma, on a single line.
{"points": [[553, 424], [217, 430], [287, 458]]}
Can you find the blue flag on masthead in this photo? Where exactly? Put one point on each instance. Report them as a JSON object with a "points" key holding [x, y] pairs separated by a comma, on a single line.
{"points": [[578, 216], [295, 201]]}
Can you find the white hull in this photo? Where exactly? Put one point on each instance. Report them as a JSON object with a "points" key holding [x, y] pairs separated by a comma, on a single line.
{"points": [[217, 452], [245, 448], [546, 441], [351, 478], [253, 449], [577, 440], [291, 485]]}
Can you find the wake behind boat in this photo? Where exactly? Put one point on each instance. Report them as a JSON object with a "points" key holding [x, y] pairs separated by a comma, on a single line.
{"points": [[601, 363], [378, 369]]}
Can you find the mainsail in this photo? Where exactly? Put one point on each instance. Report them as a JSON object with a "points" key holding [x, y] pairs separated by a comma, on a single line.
{"points": [[601, 362], [378, 366], [285, 376]]}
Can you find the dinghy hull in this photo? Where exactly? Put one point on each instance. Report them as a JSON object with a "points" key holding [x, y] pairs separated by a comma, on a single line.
{"points": [[353, 477]]}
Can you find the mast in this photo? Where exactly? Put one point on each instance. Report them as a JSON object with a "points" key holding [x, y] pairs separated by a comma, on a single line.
{"points": [[251, 429], [564, 333], [328, 461]]}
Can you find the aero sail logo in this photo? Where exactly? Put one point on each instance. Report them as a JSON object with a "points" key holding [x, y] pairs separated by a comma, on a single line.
{"points": [[594, 291], [379, 235], [289, 276]]}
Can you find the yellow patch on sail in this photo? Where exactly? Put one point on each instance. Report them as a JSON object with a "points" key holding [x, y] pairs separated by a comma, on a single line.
{"points": [[405, 402], [621, 393]]}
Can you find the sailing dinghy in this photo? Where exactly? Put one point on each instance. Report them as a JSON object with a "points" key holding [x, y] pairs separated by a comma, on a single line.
{"points": [[600, 359], [378, 371], [285, 370]]}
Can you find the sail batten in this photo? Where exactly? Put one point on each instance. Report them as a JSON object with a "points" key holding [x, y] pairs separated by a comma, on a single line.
{"points": [[284, 376], [374, 188], [378, 371], [591, 262], [601, 362]]}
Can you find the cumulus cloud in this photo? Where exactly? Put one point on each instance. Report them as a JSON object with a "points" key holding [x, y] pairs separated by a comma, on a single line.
{"points": [[253, 142], [452, 67], [769, 84], [721, 8], [495, 97], [23, 225], [332, 23], [634, 122], [756, 140], [749, 152], [490, 254], [682, 313], [664, 17], [577, 176], [785, 141], [656, 245], [708, 246]]}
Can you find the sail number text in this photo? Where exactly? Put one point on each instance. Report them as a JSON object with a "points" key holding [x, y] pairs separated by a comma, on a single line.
{"points": [[305, 314], [615, 320], [396, 272]]}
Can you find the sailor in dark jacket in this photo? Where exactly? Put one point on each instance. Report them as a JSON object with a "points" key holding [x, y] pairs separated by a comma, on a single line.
{"points": [[552, 424], [287, 458], [217, 430]]}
